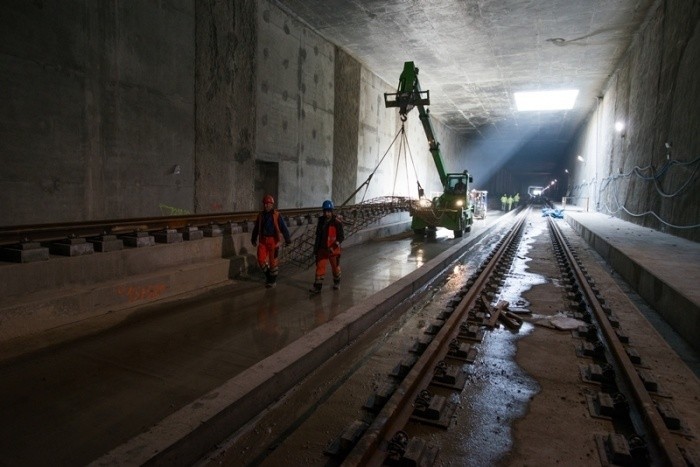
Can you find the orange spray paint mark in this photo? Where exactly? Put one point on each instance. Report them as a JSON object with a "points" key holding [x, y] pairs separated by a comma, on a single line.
{"points": [[142, 292]]}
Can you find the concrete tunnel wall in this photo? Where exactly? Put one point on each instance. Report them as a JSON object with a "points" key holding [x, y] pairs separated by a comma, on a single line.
{"points": [[144, 109], [252, 85], [97, 109], [655, 93]]}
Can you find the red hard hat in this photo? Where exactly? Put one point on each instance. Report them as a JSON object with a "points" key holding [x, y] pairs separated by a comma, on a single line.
{"points": [[268, 199]]}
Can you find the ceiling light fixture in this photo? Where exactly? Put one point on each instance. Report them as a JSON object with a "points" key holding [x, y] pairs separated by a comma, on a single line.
{"points": [[619, 126], [545, 100]]}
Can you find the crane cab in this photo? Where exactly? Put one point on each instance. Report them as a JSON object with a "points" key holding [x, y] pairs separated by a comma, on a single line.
{"points": [[451, 210], [457, 184]]}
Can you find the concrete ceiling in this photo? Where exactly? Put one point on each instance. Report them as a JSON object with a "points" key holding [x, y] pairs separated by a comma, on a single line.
{"points": [[473, 54]]}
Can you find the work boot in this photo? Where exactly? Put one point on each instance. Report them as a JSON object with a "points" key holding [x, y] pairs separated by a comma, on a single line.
{"points": [[336, 284], [316, 288], [271, 281]]}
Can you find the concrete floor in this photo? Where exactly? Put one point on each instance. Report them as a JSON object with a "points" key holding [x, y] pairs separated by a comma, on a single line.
{"points": [[71, 404], [524, 402]]}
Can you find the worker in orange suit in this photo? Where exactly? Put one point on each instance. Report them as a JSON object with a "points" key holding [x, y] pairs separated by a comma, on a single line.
{"points": [[267, 234], [329, 236]]}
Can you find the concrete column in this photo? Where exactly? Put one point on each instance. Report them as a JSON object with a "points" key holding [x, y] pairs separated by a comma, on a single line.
{"points": [[225, 32], [346, 125]]}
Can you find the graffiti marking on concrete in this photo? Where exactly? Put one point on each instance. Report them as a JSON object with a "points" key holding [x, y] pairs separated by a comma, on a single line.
{"points": [[135, 293]]}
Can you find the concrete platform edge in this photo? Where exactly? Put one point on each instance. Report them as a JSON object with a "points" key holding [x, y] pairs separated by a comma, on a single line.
{"points": [[681, 314]]}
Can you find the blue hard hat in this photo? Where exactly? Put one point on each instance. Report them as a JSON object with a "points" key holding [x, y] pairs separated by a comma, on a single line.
{"points": [[328, 205]]}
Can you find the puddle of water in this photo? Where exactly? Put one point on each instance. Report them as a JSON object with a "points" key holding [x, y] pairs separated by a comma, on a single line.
{"points": [[497, 393], [519, 280]]}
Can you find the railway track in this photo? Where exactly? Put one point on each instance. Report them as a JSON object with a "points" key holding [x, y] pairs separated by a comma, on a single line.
{"points": [[419, 404], [385, 439], [609, 346], [28, 243], [10, 235]]}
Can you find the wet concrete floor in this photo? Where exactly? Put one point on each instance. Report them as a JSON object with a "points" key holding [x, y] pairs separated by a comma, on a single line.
{"points": [[299, 429], [72, 403], [524, 403]]}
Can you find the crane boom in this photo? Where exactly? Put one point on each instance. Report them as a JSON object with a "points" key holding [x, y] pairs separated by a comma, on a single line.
{"points": [[409, 95], [453, 208]]}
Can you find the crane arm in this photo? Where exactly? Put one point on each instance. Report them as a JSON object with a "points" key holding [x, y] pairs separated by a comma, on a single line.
{"points": [[433, 144], [409, 95]]}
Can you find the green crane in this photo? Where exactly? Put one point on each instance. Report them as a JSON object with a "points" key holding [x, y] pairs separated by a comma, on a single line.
{"points": [[452, 209]]}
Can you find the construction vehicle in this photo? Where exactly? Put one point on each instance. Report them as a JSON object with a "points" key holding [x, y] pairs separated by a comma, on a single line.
{"points": [[452, 209], [480, 203]]}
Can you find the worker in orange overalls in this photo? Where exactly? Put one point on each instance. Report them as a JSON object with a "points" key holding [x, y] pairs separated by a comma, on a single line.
{"points": [[329, 236], [267, 233]]}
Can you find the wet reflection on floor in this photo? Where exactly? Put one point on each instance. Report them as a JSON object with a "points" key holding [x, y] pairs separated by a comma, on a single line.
{"points": [[268, 330], [157, 361], [288, 311], [519, 280], [498, 392]]}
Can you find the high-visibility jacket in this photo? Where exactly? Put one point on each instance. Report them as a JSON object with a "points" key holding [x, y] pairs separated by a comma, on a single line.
{"points": [[270, 224], [329, 235]]}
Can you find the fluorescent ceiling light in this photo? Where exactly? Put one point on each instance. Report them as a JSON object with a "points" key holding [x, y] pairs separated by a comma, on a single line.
{"points": [[545, 100]]}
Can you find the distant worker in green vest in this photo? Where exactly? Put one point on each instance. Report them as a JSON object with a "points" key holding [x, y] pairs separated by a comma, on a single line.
{"points": [[510, 203], [516, 200], [504, 202]]}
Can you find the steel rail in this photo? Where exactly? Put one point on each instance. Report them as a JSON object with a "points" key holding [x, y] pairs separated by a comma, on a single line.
{"points": [[398, 409], [651, 416], [47, 232]]}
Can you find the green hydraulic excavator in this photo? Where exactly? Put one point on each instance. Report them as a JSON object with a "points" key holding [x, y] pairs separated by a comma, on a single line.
{"points": [[452, 209]]}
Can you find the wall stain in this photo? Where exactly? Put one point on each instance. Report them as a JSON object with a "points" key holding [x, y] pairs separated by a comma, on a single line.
{"points": [[51, 186]]}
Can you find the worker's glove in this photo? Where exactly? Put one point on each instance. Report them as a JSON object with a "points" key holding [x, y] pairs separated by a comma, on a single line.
{"points": [[254, 242], [288, 243]]}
